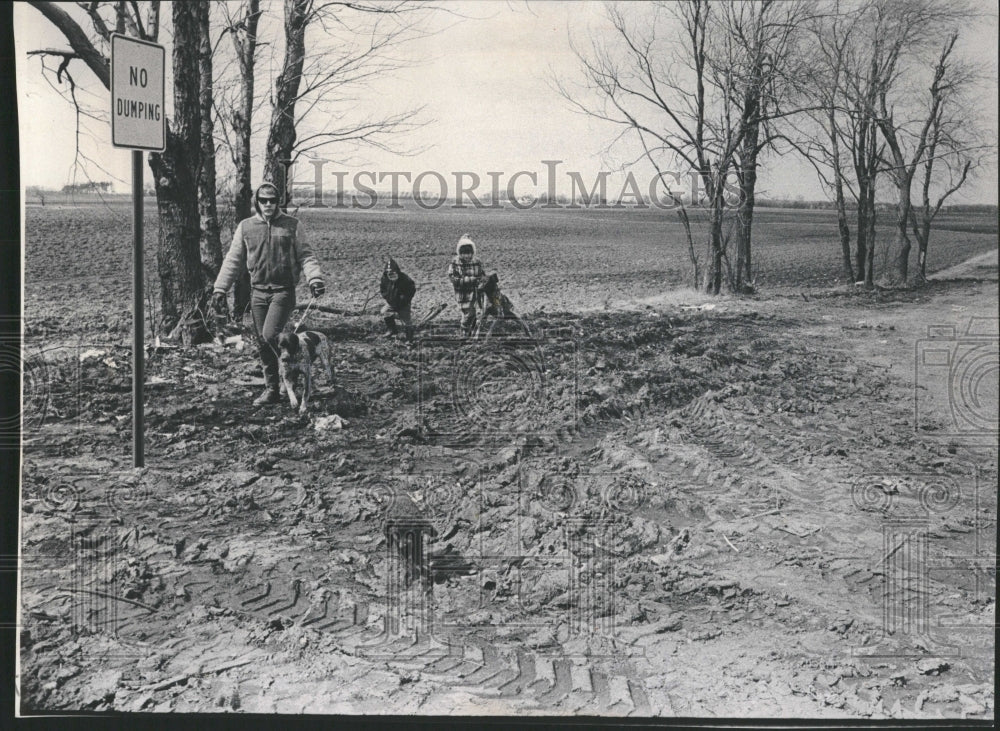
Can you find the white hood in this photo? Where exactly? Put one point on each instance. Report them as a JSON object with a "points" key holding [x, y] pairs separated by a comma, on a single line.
{"points": [[465, 241]]}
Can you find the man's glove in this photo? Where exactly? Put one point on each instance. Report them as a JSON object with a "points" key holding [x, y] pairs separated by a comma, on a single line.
{"points": [[219, 302], [317, 289]]}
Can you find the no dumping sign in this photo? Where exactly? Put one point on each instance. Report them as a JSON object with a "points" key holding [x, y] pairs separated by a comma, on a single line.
{"points": [[138, 119]]}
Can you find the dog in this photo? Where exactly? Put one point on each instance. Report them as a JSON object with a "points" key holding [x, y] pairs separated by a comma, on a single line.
{"points": [[296, 355], [495, 304]]}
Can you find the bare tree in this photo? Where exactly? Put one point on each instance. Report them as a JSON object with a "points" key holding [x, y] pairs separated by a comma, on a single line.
{"points": [[652, 80], [313, 104], [236, 115], [183, 278], [822, 145], [210, 245], [954, 145], [175, 170], [700, 84], [943, 142], [842, 143], [901, 34], [756, 57], [38, 192], [235, 106]]}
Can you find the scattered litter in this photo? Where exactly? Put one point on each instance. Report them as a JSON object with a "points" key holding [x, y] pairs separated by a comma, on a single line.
{"points": [[92, 354], [331, 423], [932, 667]]}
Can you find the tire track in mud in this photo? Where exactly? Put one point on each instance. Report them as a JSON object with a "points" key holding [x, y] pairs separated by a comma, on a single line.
{"points": [[739, 452], [296, 592], [534, 681], [810, 460]]}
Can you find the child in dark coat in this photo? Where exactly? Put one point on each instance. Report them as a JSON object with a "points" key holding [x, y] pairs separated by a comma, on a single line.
{"points": [[467, 275], [397, 290]]}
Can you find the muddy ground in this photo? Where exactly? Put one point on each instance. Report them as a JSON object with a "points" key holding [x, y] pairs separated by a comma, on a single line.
{"points": [[684, 506]]}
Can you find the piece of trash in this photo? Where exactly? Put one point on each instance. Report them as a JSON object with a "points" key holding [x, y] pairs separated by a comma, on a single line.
{"points": [[932, 667], [156, 381], [233, 340], [332, 422], [92, 354]]}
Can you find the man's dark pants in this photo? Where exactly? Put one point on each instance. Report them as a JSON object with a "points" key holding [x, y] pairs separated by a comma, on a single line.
{"points": [[271, 310]]}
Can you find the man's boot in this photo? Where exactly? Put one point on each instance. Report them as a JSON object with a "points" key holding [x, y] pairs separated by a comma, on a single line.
{"points": [[268, 396], [390, 326]]}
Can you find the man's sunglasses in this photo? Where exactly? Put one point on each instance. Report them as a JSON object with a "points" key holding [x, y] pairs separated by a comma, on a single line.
{"points": [[267, 200]]}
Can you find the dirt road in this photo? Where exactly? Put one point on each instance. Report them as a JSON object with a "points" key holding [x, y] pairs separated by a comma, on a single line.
{"points": [[758, 507]]}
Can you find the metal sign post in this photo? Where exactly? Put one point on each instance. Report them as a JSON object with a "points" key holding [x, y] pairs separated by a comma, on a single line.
{"points": [[138, 348], [138, 122]]}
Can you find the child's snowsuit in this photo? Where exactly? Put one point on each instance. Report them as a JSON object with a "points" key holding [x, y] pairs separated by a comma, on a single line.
{"points": [[466, 277]]}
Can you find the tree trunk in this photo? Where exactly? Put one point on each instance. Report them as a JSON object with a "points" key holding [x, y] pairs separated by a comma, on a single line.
{"points": [[744, 281], [211, 248], [870, 217], [686, 222], [899, 267], [922, 229], [845, 234], [922, 258], [281, 136], [865, 156], [713, 279], [838, 189], [748, 188], [246, 47], [861, 254], [182, 278]]}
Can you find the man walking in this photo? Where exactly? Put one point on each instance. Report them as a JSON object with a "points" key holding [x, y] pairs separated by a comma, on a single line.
{"points": [[272, 246]]}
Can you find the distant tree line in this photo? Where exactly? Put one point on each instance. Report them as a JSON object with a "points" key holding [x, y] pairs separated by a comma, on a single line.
{"points": [[872, 93], [90, 187]]}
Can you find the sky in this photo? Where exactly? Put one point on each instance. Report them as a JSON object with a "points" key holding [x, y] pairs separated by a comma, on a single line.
{"points": [[485, 81]]}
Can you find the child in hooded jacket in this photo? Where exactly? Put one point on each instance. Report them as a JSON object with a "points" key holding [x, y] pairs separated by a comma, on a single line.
{"points": [[397, 290], [467, 275]]}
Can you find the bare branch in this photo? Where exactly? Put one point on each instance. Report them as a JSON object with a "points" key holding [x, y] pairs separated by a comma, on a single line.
{"points": [[78, 40], [99, 25]]}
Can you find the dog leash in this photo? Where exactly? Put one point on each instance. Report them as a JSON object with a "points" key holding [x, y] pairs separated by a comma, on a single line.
{"points": [[302, 319]]}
